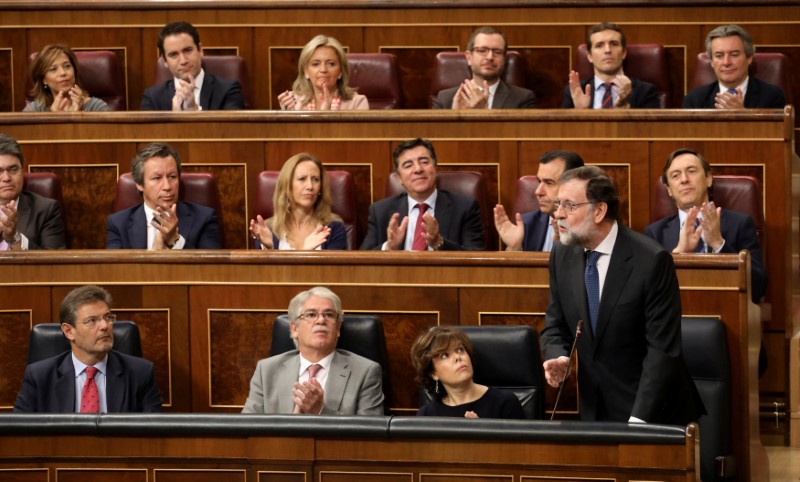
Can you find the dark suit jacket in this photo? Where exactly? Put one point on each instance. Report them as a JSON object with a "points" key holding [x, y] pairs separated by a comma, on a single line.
{"points": [[459, 220], [215, 94], [127, 229], [643, 95], [39, 219], [739, 232], [633, 365], [506, 97], [49, 385], [536, 224], [760, 94]]}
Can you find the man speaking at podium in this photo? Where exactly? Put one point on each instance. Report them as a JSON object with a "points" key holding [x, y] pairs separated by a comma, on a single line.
{"points": [[624, 287]]}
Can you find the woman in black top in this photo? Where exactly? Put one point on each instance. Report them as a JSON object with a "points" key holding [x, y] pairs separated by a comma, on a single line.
{"points": [[442, 358]]}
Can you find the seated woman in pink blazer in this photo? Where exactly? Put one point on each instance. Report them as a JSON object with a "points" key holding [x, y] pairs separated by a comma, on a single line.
{"points": [[322, 76]]}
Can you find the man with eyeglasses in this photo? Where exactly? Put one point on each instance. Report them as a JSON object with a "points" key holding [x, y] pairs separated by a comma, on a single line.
{"points": [[27, 220], [317, 378], [486, 55], [91, 377], [609, 88], [623, 287]]}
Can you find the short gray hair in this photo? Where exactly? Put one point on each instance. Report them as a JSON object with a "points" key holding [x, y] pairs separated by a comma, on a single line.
{"points": [[156, 149], [68, 313], [297, 303], [731, 31]]}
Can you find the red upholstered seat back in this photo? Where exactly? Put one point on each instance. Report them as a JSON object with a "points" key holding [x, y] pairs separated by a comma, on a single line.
{"points": [[343, 199], [451, 68], [647, 62], [769, 67], [467, 183], [195, 187], [377, 77], [229, 67], [525, 198], [101, 75], [48, 185]]}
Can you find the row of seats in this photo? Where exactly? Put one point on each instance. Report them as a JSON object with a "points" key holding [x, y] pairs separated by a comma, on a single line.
{"points": [[378, 76], [737, 193], [704, 346]]}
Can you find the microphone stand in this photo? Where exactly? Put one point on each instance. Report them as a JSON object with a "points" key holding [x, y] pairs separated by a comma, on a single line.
{"points": [[578, 332]]}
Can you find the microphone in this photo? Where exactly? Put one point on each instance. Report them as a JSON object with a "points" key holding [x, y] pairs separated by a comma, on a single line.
{"points": [[578, 332]]}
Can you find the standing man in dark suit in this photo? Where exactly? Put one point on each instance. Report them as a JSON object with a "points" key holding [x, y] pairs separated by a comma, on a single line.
{"points": [[486, 55], [535, 230], [162, 221], [607, 49], [624, 287], [27, 220], [91, 377], [423, 217], [316, 378], [192, 87], [731, 50]]}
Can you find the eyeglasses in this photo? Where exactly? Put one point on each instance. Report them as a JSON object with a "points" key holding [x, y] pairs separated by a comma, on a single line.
{"points": [[92, 321], [312, 316], [569, 206], [485, 51], [12, 171]]}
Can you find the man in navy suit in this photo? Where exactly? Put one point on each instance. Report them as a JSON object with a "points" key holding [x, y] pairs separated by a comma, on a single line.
{"points": [[162, 221], [731, 50], [624, 288], [606, 46], [61, 384], [534, 231], [192, 88], [423, 217], [486, 56]]}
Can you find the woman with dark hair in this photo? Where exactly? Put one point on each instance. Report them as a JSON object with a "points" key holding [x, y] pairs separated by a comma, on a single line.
{"points": [[303, 218], [57, 84], [442, 358], [322, 77]]}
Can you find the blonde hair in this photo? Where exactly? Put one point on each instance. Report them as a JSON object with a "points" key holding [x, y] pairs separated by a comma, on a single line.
{"points": [[282, 202], [303, 87], [41, 64]]}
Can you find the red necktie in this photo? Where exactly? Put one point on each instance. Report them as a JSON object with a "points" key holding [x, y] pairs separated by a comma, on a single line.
{"points": [[313, 370], [90, 399], [608, 99], [419, 242]]}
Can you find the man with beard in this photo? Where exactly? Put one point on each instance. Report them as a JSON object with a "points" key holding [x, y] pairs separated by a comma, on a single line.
{"points": [[486, 55], [607, 49], [624, 287], [316, 378]]}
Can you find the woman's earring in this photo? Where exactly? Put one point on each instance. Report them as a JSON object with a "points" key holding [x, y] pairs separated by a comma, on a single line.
{"points": [[437, 386]]}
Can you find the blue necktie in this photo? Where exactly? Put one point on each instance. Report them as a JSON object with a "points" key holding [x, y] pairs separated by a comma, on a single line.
{"points": [[591, 278], [732, 91], [701, 245]]}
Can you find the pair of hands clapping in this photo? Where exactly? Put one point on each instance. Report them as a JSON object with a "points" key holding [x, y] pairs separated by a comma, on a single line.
{"points": [[260, 231]]}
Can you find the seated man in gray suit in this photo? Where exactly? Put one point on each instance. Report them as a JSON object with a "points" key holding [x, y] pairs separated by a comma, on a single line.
{"points": [[316, 378], [27, 220], [486, 55]]}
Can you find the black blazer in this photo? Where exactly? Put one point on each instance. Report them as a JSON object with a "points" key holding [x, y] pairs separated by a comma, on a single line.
{"points": [[643, 95], [633, 365], [215, 94], [127, 229], [459, 220], [536, 224], [39, 219], [739, 232], [49, 385], [760, 95], [506, 97]]}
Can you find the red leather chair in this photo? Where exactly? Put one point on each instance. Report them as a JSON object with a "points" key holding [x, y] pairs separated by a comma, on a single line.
{"points": [[48, 185], [377, 77], [525, 199], [101, 75], [229, 67], [647, 62], [467, 183], [451, 68], [343, 198], [766, 66], [737, 193], [195, 187]]}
